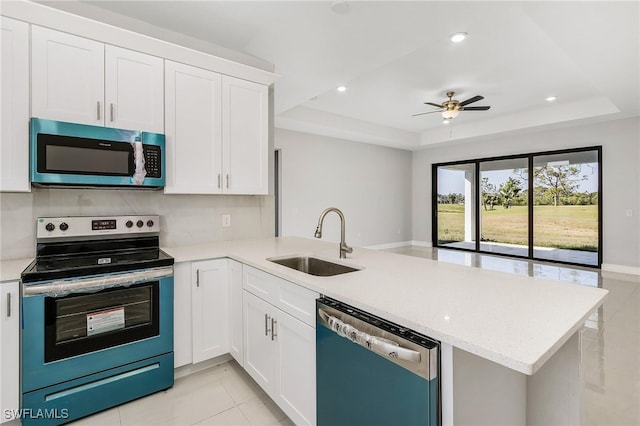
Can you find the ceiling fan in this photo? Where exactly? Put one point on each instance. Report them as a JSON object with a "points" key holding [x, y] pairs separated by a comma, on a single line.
{"points": [[451, 108]]}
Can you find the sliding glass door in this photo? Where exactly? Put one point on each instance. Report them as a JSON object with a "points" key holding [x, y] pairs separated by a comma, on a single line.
{"points": [[566, 207], [456, 206], [504, 218], [539, 206]]}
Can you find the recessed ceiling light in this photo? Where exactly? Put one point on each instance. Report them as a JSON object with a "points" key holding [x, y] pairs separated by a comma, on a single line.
{"points": [[341, 89], [458, 37], [551, 98]]}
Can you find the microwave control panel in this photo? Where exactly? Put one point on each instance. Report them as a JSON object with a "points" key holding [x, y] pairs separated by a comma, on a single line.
{"points": [[153, 161]]}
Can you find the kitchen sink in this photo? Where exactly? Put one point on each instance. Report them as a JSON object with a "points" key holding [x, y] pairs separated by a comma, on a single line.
{"points": [[313, 265]]}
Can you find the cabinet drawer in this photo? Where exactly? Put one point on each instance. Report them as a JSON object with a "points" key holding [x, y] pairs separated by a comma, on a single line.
{"points": [[261, 284], [293, 299], [298, 302]]}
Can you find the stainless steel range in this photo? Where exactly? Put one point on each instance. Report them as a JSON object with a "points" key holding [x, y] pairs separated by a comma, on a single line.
{"points": [[97, 325]]}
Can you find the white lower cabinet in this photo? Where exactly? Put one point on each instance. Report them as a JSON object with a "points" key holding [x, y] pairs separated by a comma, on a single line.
{"points": [[266, 323], [236, 341], [210, 302], [201, 311], [279, 349], [9, 349]]}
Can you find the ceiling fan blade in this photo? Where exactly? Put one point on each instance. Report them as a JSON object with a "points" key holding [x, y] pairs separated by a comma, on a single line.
{"points": [[476, 108], [432, 104], [423, 113], [470, 100]]}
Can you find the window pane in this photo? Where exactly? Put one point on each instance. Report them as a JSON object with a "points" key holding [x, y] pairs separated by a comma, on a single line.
{"points": [[456, 206], [504, 216], [565, 213]]}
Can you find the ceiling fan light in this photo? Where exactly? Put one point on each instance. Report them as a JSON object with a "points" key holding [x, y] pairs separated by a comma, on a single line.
{"points": [[446, 121], [458, 37], [450, 114]]}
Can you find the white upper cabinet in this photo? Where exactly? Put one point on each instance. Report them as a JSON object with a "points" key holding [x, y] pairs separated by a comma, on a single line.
{"points": [[193, 130], [67, 77], [216, 133], [79, 80], [14, 89], [245, 136], [134, 97]]}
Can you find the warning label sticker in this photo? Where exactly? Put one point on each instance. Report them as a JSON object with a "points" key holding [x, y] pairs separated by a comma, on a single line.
{"points": [[103, 321]]}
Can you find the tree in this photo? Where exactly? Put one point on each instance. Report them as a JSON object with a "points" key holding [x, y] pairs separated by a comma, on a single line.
{"points": [[509, 191], [489, 194], [558, 181]]}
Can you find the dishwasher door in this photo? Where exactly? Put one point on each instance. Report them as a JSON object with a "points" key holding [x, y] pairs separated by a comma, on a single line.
{"points": [[373, 372]]}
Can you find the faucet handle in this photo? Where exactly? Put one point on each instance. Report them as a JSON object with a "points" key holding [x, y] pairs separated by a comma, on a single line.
{"points": [[344, 249]]}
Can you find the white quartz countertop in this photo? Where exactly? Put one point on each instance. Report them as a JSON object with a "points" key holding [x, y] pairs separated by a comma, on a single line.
{"points": [[516, 321], [10, 270]]}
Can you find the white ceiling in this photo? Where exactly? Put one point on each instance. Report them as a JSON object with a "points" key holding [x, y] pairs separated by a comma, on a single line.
{"points": [[393, 56]]}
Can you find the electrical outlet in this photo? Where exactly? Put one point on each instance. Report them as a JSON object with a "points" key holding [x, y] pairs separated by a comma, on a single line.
{"points": [[629, 213], [226, 220]]}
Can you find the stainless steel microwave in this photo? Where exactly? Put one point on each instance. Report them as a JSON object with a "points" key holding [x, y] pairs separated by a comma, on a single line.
{"points": [[69, 154]]}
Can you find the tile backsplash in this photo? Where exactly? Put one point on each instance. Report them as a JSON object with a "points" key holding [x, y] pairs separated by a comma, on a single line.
{"points": [[184, 219]]}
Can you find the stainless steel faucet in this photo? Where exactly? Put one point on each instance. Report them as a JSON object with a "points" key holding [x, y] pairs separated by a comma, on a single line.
{"points": [[344, 248]]}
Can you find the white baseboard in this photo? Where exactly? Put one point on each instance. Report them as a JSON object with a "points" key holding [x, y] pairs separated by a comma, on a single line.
{"points": [[622, 269], [398, 244]]}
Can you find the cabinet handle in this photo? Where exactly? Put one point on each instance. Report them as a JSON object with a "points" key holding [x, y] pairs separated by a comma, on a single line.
{"points": [[227, 180], [266, 325], [274, 323], [197, 277], [98, 109], [8, 305], [111, 111], [219, 179]]}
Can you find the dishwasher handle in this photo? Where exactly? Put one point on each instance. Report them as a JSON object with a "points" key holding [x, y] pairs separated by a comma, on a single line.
{"points": [[376, 344]]}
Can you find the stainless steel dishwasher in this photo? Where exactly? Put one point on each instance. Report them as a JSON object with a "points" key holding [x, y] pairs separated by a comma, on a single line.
{"points": [[373, 372]]}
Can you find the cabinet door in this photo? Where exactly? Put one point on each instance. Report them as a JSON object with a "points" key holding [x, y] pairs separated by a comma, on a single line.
{"points": [[134, 90], [259, 348], [210, 302], [296, 370], [182, 327], [67, 77], [14, 124], [10, 348], [193, 135], [235, 308], [245, 136]]}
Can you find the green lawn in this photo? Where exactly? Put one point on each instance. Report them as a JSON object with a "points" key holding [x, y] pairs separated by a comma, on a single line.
{"points": [[567, 227]]}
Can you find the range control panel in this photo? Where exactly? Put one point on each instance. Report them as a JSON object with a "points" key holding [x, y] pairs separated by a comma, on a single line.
{"points": [[87, 226]]}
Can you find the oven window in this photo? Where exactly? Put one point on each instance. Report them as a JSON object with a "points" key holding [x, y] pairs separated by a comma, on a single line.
{"points": [[82, 323]]}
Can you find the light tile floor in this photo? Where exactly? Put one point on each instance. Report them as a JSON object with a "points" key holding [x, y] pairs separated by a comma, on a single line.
{"points": [[226, 395], [223, 395]]}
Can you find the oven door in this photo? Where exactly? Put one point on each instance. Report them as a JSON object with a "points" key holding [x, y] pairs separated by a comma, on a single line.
{"points": [[76, 328]]}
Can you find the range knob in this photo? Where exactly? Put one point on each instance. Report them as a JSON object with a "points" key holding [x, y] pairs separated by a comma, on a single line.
{"points": [[64, 226], [50, 227], [129, 224], [150, 223], [139, 224]]}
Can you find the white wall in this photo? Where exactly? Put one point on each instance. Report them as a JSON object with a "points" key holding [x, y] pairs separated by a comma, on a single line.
{"points": [[184, 219], [370, 184], [620, 140]]}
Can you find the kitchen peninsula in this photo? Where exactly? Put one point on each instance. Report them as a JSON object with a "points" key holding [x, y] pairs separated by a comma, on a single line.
{"points": [[510, 343]]}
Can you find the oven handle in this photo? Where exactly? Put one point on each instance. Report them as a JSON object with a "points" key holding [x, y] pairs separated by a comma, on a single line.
{"points": [[92, 284]]}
